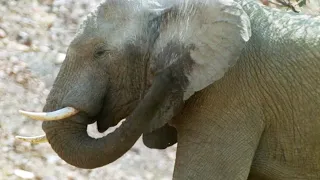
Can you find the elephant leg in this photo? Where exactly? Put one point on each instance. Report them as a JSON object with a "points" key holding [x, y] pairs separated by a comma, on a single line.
{"points": [[226, 154], [217, 140]]}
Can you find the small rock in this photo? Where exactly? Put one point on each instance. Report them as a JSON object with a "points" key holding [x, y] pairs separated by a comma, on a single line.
{"points": [[44, 48], [2, 75], [24, 38], [60, 58], [14, 59], [5, 149], [52, 159], [18, 68], [3, 33], [3, 54], [265, 2], [8, 70], [24, 174], [20, 78], [166, 178], [149, 175], [47, 2], [17, 46], [49, 178], [71, 176]]}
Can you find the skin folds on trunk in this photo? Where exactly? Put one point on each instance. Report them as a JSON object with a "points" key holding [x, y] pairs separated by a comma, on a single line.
{"points": [[70, 140]]}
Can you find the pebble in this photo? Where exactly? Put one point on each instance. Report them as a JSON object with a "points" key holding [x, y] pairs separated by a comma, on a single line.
{"points": [[52, 159], [60, 58], [24, 38], [149, 175], [24, 174], [5, 149], [3, 33], [265, 2], [44, 48], [2, 74], [13, 59]]}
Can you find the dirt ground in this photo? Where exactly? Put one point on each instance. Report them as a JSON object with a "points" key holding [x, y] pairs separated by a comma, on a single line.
{"points": [[34, 35]]}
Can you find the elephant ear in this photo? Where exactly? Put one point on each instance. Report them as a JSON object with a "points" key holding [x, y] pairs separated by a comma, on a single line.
{"points": [[203, 39], [212, 32]]}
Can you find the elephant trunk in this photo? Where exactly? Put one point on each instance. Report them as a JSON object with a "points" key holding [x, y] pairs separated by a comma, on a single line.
{"points": [[71, 142]]}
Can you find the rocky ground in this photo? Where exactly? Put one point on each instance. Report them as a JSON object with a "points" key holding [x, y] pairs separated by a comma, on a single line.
{"points": [[34, 35]]}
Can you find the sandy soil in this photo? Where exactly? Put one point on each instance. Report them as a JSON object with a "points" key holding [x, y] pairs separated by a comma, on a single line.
{"points": [[34, 36]]}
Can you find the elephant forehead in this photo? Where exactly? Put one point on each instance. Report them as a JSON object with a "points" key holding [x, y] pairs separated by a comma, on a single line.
{"points": [[114, 34]]}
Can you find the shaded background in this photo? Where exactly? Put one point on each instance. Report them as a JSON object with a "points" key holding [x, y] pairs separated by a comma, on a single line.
{"points": [[34, 35]]}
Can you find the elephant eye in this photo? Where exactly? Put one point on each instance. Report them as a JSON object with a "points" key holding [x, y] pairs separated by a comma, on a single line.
{"points": [[99, 53]]}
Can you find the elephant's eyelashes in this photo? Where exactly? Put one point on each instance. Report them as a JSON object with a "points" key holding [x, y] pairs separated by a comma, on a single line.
{"points": [[100, 50], [99, 53]]}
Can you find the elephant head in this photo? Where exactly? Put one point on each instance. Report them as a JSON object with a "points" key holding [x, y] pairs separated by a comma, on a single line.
{"points": [[138, 60]]}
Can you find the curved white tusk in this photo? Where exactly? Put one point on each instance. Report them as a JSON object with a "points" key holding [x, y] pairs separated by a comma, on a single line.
{"points": [[34, 139], [51, 116]]}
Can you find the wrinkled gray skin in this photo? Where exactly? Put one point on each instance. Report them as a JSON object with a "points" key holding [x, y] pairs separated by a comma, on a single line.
{"points": [[128, 60]]}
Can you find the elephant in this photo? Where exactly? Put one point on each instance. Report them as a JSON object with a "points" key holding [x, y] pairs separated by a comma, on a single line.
{"points": [[234, 83]]}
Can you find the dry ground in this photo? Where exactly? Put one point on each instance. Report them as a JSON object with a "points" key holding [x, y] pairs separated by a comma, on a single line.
{"points": [[34, 36]]}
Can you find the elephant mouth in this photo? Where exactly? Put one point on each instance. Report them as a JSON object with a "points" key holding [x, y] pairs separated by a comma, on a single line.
{"points": [[103, 118]]}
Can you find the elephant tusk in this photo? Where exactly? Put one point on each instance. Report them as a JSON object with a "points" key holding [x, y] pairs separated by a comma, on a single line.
{"points": [[51, 116], [34, 139]]}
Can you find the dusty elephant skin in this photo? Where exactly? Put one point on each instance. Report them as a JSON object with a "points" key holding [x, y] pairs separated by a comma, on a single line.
{"points": [[238, 82]]}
